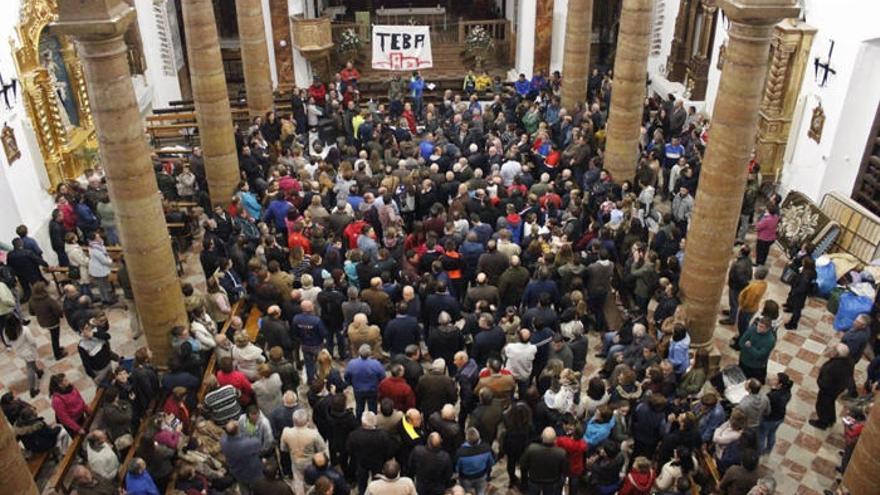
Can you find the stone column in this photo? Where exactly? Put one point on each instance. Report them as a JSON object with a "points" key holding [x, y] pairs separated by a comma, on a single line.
{"points": [[863, 471], [576, 57], [211, 100], [254, 57], [14, 473], [525, 37], [628, 89], [722, 180], [98, 27]]}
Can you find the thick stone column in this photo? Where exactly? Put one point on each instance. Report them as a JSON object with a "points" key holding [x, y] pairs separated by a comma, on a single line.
{"points": [[628, 89], [576, 57], [14, 473], [98, 26], [211, 100], [254, 57], [525, 37], [863, 471], [722, 180]]}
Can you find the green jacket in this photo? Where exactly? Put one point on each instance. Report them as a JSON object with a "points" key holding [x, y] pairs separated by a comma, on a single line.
{"points": [[756, 355]]}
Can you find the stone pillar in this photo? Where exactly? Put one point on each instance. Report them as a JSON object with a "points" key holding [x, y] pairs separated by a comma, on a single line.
{"points": [[525, 37], [98, 26], [576, 58], [211, 100], [863, 471], [254, 57], [722, 180], [14, 473], [628, 89]]}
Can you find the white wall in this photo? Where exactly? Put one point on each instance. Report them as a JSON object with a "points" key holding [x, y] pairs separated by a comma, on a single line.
{"points": [[270, 43], [164, 89], [23, 184]]}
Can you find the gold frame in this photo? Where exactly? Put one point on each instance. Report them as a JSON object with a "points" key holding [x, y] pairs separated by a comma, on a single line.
{"points": [[63, 150]]}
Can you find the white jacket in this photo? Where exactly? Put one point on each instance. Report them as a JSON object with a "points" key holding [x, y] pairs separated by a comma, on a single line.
{"points": [[99, 261], [78, 258], [247, 359], [25, 346]]}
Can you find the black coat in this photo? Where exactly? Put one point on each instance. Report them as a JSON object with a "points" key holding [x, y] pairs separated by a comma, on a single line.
{"points": [[401, 332], [835, 375], [801, 287], [26, 265], [432, 469], [370, 448]]}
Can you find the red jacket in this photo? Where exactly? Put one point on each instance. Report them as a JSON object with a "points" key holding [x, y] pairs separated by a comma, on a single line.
{"points": [[637, 483], [240, 382], [396, 389], [70, 409], [319, 93], [179, 410], [297, 239], [352, 232], [575, 448]]}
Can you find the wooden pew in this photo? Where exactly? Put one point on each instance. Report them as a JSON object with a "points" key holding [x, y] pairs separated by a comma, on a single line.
{"points": [[252, 325], [56, 482], [145, 422], [212, 362], [36, 461], [707, 463]]}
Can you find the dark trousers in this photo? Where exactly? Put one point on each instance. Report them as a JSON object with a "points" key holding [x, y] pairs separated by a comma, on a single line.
{"points": [[825, 407], [733, 301], [795, 316], [536, 488], [596, 304], [55, 332], [63, 260], [762, 250], [759, 374], [743, 319], [363, 478], [362, 399]]}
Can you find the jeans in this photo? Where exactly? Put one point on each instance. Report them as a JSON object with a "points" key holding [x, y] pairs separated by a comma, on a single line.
{"points": [[112, 234], [366, 398], [310, 356], [733, 301], [743, 228], [105, 289], [476, 485], [767, 435], [743, 318]]}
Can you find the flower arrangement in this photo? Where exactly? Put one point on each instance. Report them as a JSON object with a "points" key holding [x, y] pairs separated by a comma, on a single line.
{"points": [[349, 41], [479, 40]]}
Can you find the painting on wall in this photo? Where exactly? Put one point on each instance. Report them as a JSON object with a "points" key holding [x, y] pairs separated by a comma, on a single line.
{"points": [[10, 144], [52, 60], [817, 123]]}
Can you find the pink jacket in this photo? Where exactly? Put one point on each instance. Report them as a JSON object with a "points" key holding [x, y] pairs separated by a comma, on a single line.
{"points": [[766, 227], [70, 409]]}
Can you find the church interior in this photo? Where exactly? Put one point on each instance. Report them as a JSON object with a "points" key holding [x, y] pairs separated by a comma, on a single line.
{"points": [[591, 247]]}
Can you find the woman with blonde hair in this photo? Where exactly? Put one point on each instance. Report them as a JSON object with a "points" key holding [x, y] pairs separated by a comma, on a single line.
{"points": [[247, 356], [326, 371]]}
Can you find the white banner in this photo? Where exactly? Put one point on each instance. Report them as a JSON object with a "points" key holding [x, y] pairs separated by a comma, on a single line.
{"points": [[402, 47]]}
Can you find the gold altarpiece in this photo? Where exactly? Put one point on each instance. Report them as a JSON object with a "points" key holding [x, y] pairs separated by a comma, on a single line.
{"points": [[66, 143], [789, 54]]}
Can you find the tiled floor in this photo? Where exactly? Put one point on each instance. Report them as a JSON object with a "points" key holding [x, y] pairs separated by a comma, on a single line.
{"points": [[804, 459]]}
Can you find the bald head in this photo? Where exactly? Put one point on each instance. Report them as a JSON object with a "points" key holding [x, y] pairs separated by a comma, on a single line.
{"points": [[548, 436], [307, 306]]}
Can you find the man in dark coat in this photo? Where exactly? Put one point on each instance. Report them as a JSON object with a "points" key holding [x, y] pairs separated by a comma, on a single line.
{"points": [[440, 301], [26, 266], [489, 341], [492, 263], [402, 331], [56, 237], [274, 331], [738, 277], [370, 447], [513, 282], [435, 389], [834, 376], [431, 466]]}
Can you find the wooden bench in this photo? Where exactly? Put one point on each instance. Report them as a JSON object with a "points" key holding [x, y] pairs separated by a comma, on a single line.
{"points": [[707, 463], [36, 461], [252, 325], [142, 429], [56, 482]]}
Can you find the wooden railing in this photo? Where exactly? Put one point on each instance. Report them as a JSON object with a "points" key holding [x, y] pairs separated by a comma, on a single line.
{"points": [[56, 482]]}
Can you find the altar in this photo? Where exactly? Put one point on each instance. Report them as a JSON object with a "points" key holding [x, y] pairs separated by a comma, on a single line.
{"points": [[430, 16]]}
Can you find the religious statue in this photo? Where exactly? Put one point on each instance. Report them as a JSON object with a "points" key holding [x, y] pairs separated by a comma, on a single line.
{"points": [[10, 144], [58, 80], [817, 122]]}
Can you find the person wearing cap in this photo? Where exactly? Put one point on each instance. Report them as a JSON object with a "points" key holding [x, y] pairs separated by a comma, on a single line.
{"points": [[364, 375], [749, 299], [435, 389]]}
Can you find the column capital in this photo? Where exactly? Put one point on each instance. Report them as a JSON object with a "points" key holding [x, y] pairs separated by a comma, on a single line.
{"points": [[93, 20], [759, 11]]}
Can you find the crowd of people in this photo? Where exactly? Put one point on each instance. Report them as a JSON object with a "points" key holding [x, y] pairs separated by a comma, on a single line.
{"points": [[445, 264]]}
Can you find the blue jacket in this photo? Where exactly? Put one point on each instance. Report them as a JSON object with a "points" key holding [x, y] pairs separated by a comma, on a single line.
{"points": [[250, 203], [417, 86], [309, 328], [710, 421], [277, 212], [364, 375], [243, 455], [678, 354], [474, 461], [596, 432], [535, 288], [425, 149], [522, 87], [400, 332], [140, 484]]}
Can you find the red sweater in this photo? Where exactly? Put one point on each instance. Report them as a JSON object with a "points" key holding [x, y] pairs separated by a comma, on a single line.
{"points": [[240, 382], [637, 483], [396, 389], [575, 448]]}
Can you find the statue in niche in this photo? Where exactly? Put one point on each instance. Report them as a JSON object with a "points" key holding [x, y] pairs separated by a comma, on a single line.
{"points": [[53, 61], [10, 144]]}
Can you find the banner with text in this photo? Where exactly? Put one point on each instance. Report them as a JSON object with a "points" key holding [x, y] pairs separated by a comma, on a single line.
{"points": [[402, 47]]}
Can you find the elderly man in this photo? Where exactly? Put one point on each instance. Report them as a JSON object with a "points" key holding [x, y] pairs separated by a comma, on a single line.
{"points": [[310, 330], [84, 482], [435, 389], [431, 466], [242, 455], [544, 465], [370, 446], [857, 339], [302, 442], [834, 377], [100, 455]]}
